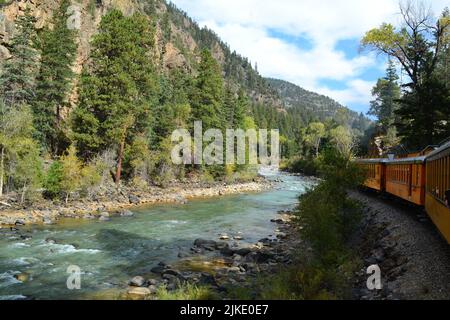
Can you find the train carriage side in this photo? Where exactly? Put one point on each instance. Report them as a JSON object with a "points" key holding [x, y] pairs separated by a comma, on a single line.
{"points": [[375, 173], [438, 189], [405, 178]]}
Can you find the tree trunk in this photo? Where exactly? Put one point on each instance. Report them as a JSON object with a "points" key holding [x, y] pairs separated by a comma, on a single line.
{"points": [[2, 157], [119, 162], [67, 197], [317, 148], [22, 197]]}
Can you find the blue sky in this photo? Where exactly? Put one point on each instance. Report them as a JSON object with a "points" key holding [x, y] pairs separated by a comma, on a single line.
{"points": [[312, 43]]}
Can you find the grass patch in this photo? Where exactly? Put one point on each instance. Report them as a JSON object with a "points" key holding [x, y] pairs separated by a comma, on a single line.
{"points": [[187, 292]]}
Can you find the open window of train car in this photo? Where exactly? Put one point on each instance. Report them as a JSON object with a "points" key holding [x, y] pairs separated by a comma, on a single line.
{"points": [[405, 178], [438, 189], [375, 173]]}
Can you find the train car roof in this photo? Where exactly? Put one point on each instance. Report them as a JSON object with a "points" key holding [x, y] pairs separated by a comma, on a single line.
{"points": [[436, 153], [377, 160], [420, 159]]}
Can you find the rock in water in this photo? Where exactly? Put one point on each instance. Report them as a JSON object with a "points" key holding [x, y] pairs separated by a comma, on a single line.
{"points": [[20, 222], [224, 237], [137, 281], [50, 240], [202, 243], [22, 277], [126, 213]]}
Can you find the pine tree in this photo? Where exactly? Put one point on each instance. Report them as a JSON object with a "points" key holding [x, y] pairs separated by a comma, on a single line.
{"points": [[17, 77], [208, 94], [387, 94], [229, 106], [117, 93], [241, 109], [58, 49]]}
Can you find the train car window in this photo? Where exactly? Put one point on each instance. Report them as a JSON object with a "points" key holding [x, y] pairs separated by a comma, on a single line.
{"points": [[447, 198]]}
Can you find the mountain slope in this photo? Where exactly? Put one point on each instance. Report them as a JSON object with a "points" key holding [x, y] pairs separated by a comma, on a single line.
{"points": [[179, 42], [315, 105]]}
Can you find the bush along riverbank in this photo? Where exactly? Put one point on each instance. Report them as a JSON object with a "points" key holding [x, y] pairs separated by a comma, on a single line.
{"points": [[326, 219], [110, 201], [310, 257]]}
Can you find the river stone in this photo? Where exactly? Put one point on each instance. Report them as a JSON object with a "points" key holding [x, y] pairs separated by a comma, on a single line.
{"points": [[243, 251], [25, 237], [134, 199], [202, 243], [20, 222], [48, 221], [126, 213], [104, 219], [224, 237], [104, 214], [226, 251], [50, 240], [160, 268], [137, 281], [22, 277], [139, 292], [171, 272], [153, 289]]}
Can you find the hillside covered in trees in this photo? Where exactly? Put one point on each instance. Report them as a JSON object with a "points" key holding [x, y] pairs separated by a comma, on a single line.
{"points": [[91, 92]]}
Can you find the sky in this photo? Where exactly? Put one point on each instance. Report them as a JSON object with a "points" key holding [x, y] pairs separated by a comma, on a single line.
{"points": [[312, 43]]}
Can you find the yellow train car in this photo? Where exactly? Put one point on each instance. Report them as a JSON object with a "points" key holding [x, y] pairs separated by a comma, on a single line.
{"points": [[375, 173], [438, 189], [405, 178]]}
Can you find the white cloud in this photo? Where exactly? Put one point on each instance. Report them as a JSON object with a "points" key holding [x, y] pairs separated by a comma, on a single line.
{"points": [[246, 24]]}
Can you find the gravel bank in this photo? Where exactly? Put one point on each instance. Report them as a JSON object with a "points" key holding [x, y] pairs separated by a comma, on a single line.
{"points": [[119, 203], [400, 238]]}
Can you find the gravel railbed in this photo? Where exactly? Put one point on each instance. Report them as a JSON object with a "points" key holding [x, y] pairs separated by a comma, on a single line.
{"points": [[413, 257]]}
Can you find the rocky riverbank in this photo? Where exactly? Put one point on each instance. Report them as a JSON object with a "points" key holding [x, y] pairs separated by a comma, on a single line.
{"points": [[414, 259], [120, 202], [221, 264]]}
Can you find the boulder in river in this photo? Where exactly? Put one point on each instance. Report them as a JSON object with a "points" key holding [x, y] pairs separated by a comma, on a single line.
{"points": [[137, 281], [126, 213], [160, 268], [202, 243], [171, 272], [22, 277], [20, 222], [243, 251], [50, 240]]}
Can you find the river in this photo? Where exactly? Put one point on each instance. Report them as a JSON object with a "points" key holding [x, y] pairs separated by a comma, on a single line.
{"points": [[110, 253]]}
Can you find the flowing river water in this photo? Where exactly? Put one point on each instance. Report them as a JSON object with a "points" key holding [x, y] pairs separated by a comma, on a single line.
{"points": [[110, 253]]}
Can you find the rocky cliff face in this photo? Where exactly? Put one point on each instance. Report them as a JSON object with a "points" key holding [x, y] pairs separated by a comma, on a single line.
{"points": [[179, 41], [85, 16], [178, 38]]}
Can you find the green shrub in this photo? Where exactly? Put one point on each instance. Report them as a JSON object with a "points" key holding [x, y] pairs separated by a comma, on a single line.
{"points": [[53, 180], [306, 166]]}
